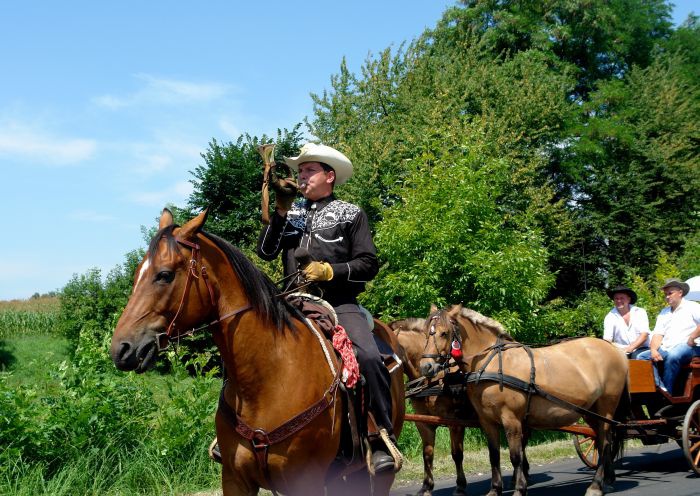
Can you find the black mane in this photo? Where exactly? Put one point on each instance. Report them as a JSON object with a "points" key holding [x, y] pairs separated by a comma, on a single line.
{"points": [[261, 292]]}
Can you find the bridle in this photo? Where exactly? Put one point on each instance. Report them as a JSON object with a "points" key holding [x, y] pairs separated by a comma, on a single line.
{"points": [[441, 358], [164, 339]]}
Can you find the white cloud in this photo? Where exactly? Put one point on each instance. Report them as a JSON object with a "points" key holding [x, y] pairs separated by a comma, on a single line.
{"points": [[21, 141], [177, 194], [165, 92]]}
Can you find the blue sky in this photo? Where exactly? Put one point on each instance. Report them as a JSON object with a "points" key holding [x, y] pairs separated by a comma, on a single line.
{"points": [[105, 108]]}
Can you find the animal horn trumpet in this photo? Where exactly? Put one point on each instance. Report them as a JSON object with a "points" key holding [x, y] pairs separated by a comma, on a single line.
{"points": [[267, 152]]}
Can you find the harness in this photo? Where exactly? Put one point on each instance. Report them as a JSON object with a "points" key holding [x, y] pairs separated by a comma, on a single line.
{"points": [[502, 379]]}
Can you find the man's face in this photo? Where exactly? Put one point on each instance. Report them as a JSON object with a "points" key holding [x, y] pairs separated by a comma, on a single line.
{"points": [[673, 296], [621, 300], [314, 182]]}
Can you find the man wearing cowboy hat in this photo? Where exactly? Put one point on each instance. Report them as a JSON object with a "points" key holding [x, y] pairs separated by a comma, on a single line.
{"points": [[343, 258], [674, 341], [626, 325]]}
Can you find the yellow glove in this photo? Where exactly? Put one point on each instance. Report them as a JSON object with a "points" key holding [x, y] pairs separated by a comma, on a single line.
{"points": [[318, 271]]}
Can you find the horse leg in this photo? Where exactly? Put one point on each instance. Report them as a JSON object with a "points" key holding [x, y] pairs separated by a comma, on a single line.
{"points": [[427, 435], [494, 442], [526, 464], [457, 445], [233, 484], [602, 431], [514, 435]]}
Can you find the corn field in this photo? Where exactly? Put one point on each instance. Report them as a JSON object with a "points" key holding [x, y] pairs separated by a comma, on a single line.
{"points": [[34, 316]]}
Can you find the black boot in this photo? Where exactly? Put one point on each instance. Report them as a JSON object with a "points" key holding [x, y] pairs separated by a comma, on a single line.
{"points": [[382, 461]]}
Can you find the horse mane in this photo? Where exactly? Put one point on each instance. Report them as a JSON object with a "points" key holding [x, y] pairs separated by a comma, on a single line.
{"points": [[260, 291], [491, 324], [411, 324]]}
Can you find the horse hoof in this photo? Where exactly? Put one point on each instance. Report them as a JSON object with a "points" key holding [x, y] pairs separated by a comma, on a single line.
{"points": [[424, 492], [459, 491], [594, 492]]}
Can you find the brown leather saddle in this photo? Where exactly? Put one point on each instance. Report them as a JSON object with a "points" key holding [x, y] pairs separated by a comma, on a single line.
{"points": [[359, 426]]}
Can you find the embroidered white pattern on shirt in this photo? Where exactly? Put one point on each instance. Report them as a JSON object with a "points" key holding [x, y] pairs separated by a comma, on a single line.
{"points": [[336, 212]]}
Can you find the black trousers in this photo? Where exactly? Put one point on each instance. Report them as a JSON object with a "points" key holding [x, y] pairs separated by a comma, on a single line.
{"points": [[371, 365]]}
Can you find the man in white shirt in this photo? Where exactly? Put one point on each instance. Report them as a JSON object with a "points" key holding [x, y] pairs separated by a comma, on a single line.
{"points": [[674, 341], [626, 325]]}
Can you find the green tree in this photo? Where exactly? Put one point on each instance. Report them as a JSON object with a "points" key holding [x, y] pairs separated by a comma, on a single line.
{"points": [[636, 159], [229, 183]]}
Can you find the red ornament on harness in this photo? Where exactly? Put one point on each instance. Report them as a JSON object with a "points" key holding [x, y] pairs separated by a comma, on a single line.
{"points": [[456, 350]]}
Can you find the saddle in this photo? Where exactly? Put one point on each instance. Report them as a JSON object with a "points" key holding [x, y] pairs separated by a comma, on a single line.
{"points": [[360, 429]]}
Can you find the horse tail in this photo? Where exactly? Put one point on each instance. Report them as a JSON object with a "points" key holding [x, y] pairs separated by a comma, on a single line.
{"points": [[622, 413]]}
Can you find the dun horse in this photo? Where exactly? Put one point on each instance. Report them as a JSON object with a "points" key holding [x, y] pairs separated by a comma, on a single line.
{"points": [[412, 338], [280, 415], [586, 373]]}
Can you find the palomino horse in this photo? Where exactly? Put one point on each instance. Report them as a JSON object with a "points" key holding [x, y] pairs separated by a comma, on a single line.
{"points": [[279, 419], [412, 338], [584, 377]]}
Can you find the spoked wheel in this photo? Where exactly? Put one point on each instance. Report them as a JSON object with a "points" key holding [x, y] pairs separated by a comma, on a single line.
{"points": [[585, 449], [691, 436]]}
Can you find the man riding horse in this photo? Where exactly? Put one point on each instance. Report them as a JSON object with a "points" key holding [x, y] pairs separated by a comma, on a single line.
{"points": [[339, 257]]}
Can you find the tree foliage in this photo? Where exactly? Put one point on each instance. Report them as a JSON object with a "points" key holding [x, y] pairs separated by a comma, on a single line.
{"points": [[229, 183]]}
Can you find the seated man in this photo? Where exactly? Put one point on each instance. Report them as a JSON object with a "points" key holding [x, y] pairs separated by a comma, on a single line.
{"points": [[336, 235], [674, 341], [626, 325]]}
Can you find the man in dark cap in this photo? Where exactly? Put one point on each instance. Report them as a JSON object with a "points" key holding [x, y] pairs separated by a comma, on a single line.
{"points": [[674, 341], [626, 325]]}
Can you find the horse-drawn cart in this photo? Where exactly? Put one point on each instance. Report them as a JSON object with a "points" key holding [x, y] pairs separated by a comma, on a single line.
{"points": [[656, 417]]}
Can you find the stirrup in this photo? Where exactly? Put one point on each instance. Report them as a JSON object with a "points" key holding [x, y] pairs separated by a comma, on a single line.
{"points": [[215, 451], [392, 449]]}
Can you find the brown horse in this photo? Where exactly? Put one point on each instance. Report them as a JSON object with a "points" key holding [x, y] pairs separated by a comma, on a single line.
{"points": [[280, 416], [413, 337], [586, 373]]}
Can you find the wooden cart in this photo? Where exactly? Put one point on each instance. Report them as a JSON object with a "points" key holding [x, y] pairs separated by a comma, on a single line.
{"points": [[656, 416]]}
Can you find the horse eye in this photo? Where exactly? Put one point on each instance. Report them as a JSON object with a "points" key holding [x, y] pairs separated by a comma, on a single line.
{"points": [[165, 276]]}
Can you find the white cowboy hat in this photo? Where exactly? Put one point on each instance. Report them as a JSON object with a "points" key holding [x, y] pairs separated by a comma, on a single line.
{"points": [[311, 152]]}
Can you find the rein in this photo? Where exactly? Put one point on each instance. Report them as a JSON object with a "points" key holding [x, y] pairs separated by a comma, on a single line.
{"points": [[164, 339], [259, 439]]}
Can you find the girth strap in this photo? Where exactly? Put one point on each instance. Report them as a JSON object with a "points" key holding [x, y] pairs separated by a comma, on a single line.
{"points": [[261, 440]]}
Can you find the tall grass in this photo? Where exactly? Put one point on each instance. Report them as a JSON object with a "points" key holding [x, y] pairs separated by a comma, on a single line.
{"points": [[34, 316]]}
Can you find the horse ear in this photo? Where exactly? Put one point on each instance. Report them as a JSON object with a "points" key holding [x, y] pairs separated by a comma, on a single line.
{"points": [[193, 226], [166, 219], [456, 310], [433, 308]]}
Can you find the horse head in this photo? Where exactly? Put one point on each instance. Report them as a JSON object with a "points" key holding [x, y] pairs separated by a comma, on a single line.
{"points": [[171, 292], [444, 340]]}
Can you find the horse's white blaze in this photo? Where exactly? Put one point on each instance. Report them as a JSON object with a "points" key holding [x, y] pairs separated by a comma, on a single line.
{"points": [[143, 270]]}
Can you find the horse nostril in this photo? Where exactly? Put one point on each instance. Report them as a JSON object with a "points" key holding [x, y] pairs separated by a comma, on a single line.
{"points": [[124, 350]]}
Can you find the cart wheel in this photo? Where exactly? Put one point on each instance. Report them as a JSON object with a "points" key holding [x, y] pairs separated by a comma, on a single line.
{"points": [[691, 436], [585, 449]]}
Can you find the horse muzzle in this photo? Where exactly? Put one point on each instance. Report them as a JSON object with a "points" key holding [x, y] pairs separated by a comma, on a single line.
{"points": [[137, 356], [430, 368]]}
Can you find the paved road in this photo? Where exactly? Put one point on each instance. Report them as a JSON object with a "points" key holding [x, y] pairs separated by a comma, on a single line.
{"points": [[647, 471]]}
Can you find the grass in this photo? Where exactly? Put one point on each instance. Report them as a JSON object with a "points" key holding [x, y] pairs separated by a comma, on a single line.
{"points": [[29, 348]]}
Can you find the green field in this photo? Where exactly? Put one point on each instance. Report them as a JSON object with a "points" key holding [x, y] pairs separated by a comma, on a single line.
{"points": [[71, 424]]}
